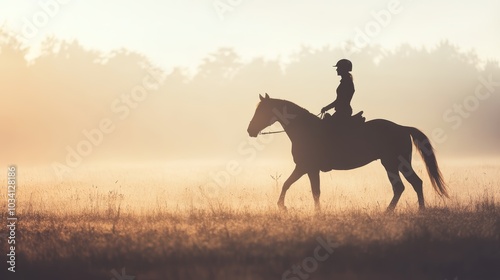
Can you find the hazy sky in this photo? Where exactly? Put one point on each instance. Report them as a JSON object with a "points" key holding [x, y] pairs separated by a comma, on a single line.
{"points": [[182, 32]]}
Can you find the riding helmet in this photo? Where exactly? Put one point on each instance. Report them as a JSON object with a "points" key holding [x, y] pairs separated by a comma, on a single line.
{"points": [[344, 64]]}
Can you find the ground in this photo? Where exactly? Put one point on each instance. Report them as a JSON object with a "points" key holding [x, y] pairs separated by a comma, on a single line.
{"points": [[77, 230]]}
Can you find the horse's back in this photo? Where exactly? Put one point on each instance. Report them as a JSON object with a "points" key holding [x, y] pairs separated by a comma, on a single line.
{"points": [[374, 139], [380, 128], [382, 123]]}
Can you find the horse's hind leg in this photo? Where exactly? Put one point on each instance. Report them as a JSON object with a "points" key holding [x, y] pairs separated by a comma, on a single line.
{"points": [[296, 174], [397, 185], [414, 180], [314, 178]]}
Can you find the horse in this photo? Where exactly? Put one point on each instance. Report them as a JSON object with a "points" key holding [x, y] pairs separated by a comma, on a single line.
{"points": [[316, 146]]}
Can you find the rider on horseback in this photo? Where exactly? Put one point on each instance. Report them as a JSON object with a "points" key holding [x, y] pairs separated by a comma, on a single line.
{"points": [[345, 91]]}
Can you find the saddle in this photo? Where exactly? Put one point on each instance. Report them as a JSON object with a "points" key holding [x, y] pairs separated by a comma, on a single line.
{"points": [[358, 119], [338, 124]]}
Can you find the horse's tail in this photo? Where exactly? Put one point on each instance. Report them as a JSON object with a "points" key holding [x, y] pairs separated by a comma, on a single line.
{"points": [[426, 150]]}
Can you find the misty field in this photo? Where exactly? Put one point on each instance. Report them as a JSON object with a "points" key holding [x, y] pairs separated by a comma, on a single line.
{"points": [[172, 222]]}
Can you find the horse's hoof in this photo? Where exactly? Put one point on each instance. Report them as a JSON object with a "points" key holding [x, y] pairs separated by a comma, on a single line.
{"points": [[390, 210], [282, 208]]}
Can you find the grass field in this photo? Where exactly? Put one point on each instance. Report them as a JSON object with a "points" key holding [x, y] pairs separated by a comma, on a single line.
{"points": [[168, 222]]}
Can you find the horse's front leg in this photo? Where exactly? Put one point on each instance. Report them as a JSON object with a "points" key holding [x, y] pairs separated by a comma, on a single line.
{"points": [[314, 178], [296, 174]]}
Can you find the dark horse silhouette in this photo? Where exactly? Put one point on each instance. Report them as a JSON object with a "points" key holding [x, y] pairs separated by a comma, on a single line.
{"points": [[316, 147]]}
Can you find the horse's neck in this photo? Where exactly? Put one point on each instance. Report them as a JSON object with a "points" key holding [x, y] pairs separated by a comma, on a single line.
{"points": [[296, 121], [292, 108]]}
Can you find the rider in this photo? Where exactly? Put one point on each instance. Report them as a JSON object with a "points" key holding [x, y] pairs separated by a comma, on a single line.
{"points": [[345, 91]]}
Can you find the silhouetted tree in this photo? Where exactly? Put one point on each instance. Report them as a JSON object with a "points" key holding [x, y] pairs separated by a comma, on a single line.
{"points": [[47, 102]]}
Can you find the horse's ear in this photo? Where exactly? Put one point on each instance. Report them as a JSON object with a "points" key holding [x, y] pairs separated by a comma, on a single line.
{"points": [[261, 98], [267, 96]]}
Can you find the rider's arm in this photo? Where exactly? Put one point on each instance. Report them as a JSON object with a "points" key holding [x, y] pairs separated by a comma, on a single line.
{"points": [[329, 106]]}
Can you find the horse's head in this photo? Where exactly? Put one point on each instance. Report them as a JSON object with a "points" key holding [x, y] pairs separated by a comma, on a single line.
{"points": [[263, 116]]}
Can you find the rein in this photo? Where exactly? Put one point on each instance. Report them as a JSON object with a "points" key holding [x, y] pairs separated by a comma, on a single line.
{"points": [[320, 115]]}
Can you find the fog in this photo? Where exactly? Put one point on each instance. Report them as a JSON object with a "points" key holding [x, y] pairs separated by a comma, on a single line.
{"points": [[84, 105]]}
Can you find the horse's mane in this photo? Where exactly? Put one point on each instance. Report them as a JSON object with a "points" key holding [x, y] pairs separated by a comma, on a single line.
{"points": [[292, 107]]}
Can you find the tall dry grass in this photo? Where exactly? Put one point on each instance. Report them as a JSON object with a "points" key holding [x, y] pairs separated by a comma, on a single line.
{"points": [[163, 223]]}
